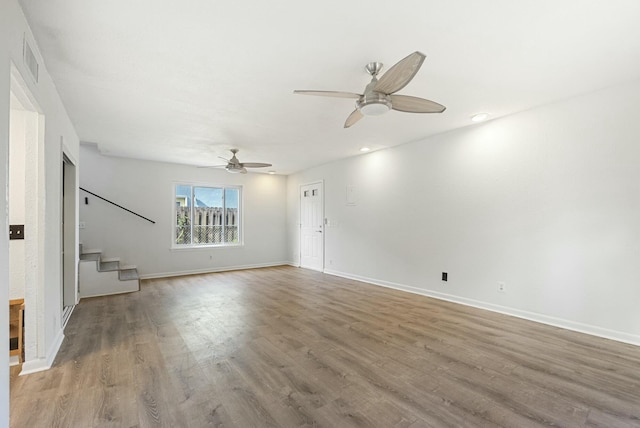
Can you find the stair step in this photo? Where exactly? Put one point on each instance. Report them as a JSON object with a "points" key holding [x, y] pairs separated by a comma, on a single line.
{"points": [[128, 274], [91, 251], [90, 254], [109, 266]]}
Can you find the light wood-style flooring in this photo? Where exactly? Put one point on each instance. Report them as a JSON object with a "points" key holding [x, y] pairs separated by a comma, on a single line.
{"points": [[287, 347]]}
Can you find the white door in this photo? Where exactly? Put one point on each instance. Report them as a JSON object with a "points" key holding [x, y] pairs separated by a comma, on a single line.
{"points": [[311, 227]]}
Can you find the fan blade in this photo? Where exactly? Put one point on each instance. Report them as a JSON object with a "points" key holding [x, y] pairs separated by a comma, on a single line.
{"points": [[353, 118], [335, 94], [212, 166], [254, 165], [398, 76], [415, 105], [226, 160]]}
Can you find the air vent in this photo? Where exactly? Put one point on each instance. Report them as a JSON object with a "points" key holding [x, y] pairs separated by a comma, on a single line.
{"points": [[30, 60]]}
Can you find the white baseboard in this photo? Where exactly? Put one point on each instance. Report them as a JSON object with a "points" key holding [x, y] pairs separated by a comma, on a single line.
{"points": [[211, 270], [41, 364], [34, 366], [111, 293], [55, 347], [619, 336]]}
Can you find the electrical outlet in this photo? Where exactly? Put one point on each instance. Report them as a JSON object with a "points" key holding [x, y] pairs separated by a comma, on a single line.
{"points": [[502, 287]]}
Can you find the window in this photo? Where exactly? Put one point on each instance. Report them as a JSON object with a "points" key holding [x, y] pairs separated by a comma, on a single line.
{"points": [[206, 216]]}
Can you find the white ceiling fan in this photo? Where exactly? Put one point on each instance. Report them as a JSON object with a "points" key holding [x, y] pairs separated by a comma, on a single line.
{"points": [[233, 165], [379, 95]]}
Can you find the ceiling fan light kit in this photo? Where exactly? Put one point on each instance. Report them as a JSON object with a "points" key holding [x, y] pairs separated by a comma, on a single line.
{"points": [[378, 97], [235, 169], [374, 104]]}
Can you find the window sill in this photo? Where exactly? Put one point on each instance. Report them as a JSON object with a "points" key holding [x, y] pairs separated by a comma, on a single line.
{"points": [[205, 247]]}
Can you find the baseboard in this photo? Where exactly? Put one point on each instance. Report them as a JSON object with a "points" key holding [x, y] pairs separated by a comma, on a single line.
{"points": [[211, 270], [41, 364], [90, 296], [593, 330], [55, 347], [34, 366]]}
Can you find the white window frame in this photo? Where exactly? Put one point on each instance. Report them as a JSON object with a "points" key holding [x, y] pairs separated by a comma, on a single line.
{"points": [[196, 246]]}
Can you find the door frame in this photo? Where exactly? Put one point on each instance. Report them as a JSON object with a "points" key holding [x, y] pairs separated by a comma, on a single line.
{"points": [[69, 233], [35, 198], [322, 199]]}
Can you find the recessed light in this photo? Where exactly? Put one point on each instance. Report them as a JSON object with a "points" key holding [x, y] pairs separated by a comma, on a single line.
{"points": [[479, 117], [364, 149]]}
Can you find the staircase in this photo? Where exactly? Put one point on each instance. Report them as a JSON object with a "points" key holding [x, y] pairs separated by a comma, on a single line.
{"points": [[101, 276]]}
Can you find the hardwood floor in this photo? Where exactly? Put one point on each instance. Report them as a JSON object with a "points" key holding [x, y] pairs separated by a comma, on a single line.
{"points": [[286, 347]]}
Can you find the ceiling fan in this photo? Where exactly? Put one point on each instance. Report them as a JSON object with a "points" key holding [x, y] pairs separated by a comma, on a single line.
{"points": [[379, 95], [235, 166]]}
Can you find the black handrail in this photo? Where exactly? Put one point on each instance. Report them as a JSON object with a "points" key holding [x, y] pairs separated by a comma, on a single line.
{"points": [[119, 206]]}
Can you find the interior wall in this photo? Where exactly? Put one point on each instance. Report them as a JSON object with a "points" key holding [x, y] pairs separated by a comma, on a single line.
{"points": [[46, 307], [545, 201], [147, 187]]}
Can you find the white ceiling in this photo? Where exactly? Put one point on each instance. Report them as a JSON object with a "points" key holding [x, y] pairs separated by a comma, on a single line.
{"points": [[184, 81]]}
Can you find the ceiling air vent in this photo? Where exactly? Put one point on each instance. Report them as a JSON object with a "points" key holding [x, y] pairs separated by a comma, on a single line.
{"points": [[30, 60]]}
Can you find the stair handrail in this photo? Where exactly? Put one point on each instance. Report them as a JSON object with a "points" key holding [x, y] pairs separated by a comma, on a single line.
{"points": [[119, 206]]}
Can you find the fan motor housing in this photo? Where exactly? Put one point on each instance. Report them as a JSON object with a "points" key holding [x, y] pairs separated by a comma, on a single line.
{"points": [[233, 168], [374, 104]]}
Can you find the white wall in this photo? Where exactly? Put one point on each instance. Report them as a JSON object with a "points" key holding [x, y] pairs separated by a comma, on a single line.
{"points": [[546, 201], [43, 305], [146, 187]]}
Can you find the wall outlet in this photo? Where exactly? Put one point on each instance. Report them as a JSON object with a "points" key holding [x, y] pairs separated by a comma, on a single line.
{"points": [[445, 276], [502, 287]]}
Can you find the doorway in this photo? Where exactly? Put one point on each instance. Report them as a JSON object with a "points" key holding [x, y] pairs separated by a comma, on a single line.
{"points": [[27, 211], [312, 226], [68, 238]]}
